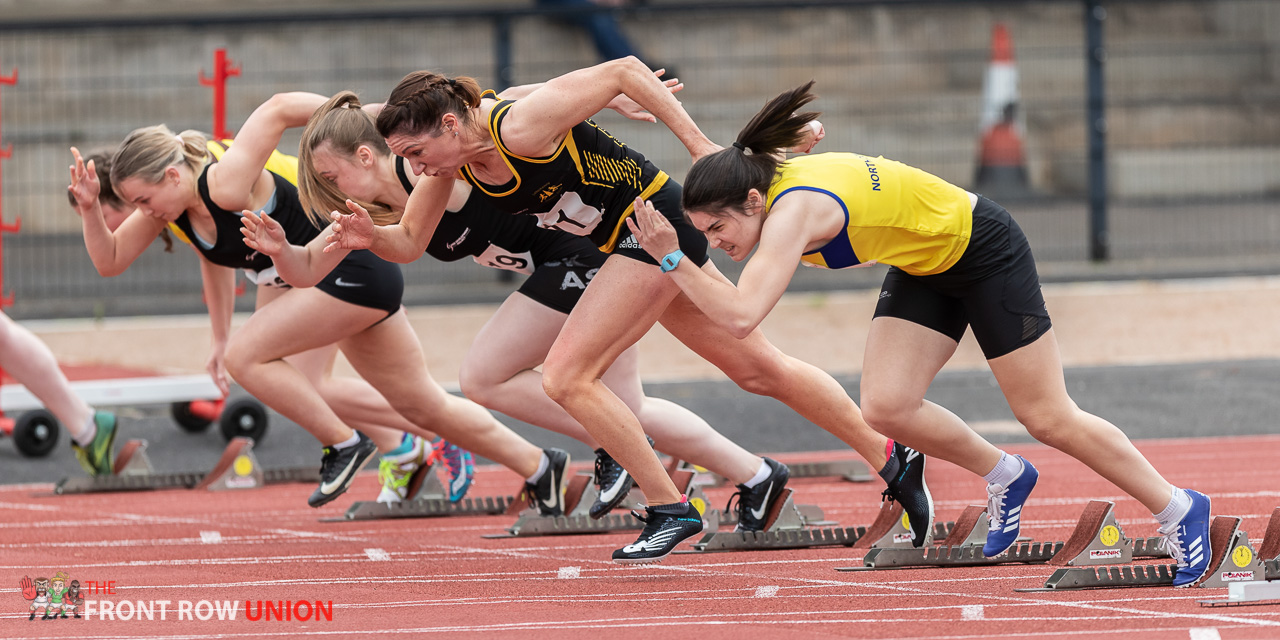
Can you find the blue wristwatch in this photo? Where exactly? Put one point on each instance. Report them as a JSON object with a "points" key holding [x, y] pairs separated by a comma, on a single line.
{"points": [[670, 261]]}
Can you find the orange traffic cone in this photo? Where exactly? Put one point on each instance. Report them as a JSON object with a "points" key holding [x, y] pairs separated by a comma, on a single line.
{"points": [[1002, 165]]}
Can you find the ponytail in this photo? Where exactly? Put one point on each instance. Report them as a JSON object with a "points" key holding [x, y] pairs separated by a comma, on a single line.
{"points": [[720, 181], [422, 98]]}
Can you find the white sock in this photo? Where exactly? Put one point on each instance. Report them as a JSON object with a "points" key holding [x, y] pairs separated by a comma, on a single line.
{"points": [[763, 473], [89, 433], [1179, 505], [1006, 471], [350, 442], [542, 468]]}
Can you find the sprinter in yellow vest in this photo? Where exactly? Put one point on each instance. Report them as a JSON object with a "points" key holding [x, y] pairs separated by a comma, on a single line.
{"points": [[956, 260]]}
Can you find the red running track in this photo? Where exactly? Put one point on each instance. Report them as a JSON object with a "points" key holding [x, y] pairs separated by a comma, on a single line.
{"points": [[439, 578]]}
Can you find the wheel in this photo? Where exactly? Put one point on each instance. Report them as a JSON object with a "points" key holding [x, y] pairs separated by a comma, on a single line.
{"points": [[244, 418], [181, 412], [35, 433]]}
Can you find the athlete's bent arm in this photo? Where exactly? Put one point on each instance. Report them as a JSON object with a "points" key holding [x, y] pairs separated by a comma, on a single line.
{"points": [[404, 241], [111, 251], [298, 266]]}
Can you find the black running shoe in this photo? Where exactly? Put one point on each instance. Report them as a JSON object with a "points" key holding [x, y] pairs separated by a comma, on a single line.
{"points": [[666, 526], [754, 502], [338, 469], [612, 482], [547, 494], [909, 489]]}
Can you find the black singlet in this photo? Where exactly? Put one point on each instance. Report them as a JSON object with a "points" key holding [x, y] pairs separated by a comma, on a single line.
{"points": [[229, 249]]}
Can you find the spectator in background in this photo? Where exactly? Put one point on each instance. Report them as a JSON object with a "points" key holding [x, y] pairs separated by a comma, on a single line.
{"points": [[611, 43]]}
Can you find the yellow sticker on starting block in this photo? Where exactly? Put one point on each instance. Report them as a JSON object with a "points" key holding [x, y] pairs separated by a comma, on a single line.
{"points": [[1109, 535], [243, 466], [699, 504], [906, 522], [1242, 556]]}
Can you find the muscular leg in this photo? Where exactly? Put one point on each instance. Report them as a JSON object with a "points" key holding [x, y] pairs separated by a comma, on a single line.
{"points": [[1032, 381], [625, 299], [389, 356], [759, 367], [30, 362], [901, 360]]}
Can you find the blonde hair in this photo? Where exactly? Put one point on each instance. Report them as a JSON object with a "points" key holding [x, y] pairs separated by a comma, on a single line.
{"points": [[148, 151], [342, 124]]}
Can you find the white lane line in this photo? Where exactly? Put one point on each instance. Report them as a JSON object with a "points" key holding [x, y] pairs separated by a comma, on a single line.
{"points": [[377, 555], [972, 612], [1204, 633], [767, 591], [568, 573], [210, 537]]}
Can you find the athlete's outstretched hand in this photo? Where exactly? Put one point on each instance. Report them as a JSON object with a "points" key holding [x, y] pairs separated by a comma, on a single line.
{"points": [[350, 230], [262, 233], [84, 185], [629, 108], [28, 588], [653, 230]]}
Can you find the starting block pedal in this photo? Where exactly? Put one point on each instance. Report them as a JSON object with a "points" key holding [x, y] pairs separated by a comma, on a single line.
{"points": [[236, 469], [579, 494], [1097, 539], [785, 528], [1233, 560], [428, 499]]}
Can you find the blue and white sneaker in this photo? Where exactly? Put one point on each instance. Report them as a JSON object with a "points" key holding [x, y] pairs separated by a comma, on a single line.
{"points": [[1187, 541], [1004, 510]]}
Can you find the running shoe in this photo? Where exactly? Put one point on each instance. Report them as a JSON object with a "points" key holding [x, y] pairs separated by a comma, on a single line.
{"points": [[612, 482], [1004, 510], [461, 466], [396, 472], [665, 527], [909, 489], [754, 502], [1187, 541], [97, 458], [547, 494], [338, 469]]}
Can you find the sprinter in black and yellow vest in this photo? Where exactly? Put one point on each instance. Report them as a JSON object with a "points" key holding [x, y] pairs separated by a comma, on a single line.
{"points": [[283, 351], [343, 158], [957, 260], [541, 156]]}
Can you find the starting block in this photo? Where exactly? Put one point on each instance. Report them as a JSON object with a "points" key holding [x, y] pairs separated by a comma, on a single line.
{"points": [[579, 494], [848, 470], [428, 499], [791, 528], [1097, 539], [1233, 560], [236, 469]]}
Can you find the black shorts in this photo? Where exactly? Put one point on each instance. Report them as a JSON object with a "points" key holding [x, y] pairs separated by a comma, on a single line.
{"points": [[559, 283], [993, 288], [364, 279], [667, 201]]}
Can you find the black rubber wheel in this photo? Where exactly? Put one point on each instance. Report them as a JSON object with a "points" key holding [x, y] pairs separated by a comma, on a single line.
{"points": [[181, 412], [35, 433], [243, 418]]}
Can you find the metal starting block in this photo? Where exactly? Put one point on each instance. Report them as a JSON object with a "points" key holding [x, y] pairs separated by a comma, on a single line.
{"points": [[785, 528], [1258, 592], [236, 469], [1232, 560], [848, 470], [1097, 539], [579, 495], [428, 499]]}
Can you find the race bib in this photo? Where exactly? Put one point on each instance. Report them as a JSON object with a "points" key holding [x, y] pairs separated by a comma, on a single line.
{"points": [[266, 278], [499, 258], [570, 214]]}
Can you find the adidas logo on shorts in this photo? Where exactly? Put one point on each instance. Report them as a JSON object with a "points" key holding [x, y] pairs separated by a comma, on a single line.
{"points": [[629, 242]]}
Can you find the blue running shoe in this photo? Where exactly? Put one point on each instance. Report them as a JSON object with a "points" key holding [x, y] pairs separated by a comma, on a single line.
{"points": [[1187, 541], [461, 466], [1004, 510]]}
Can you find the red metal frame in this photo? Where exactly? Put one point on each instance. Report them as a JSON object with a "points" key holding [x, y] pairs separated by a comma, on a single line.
{"points": [[6, 151], [223, 68]]}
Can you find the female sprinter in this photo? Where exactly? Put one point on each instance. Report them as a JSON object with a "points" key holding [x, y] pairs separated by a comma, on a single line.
{"points": [[403, 446], [169, 178], [342, 156], [957, 260], [540, 156]]}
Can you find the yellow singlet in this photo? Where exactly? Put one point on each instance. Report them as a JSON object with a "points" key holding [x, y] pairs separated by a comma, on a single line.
{"points": [[897, 215]]}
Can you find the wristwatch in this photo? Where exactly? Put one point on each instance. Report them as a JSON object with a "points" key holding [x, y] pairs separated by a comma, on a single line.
{"points": [[670, 260]]}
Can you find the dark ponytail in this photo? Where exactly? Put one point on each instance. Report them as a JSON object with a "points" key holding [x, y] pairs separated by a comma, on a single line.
{"points": [[721, 180], [422, 98]]}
